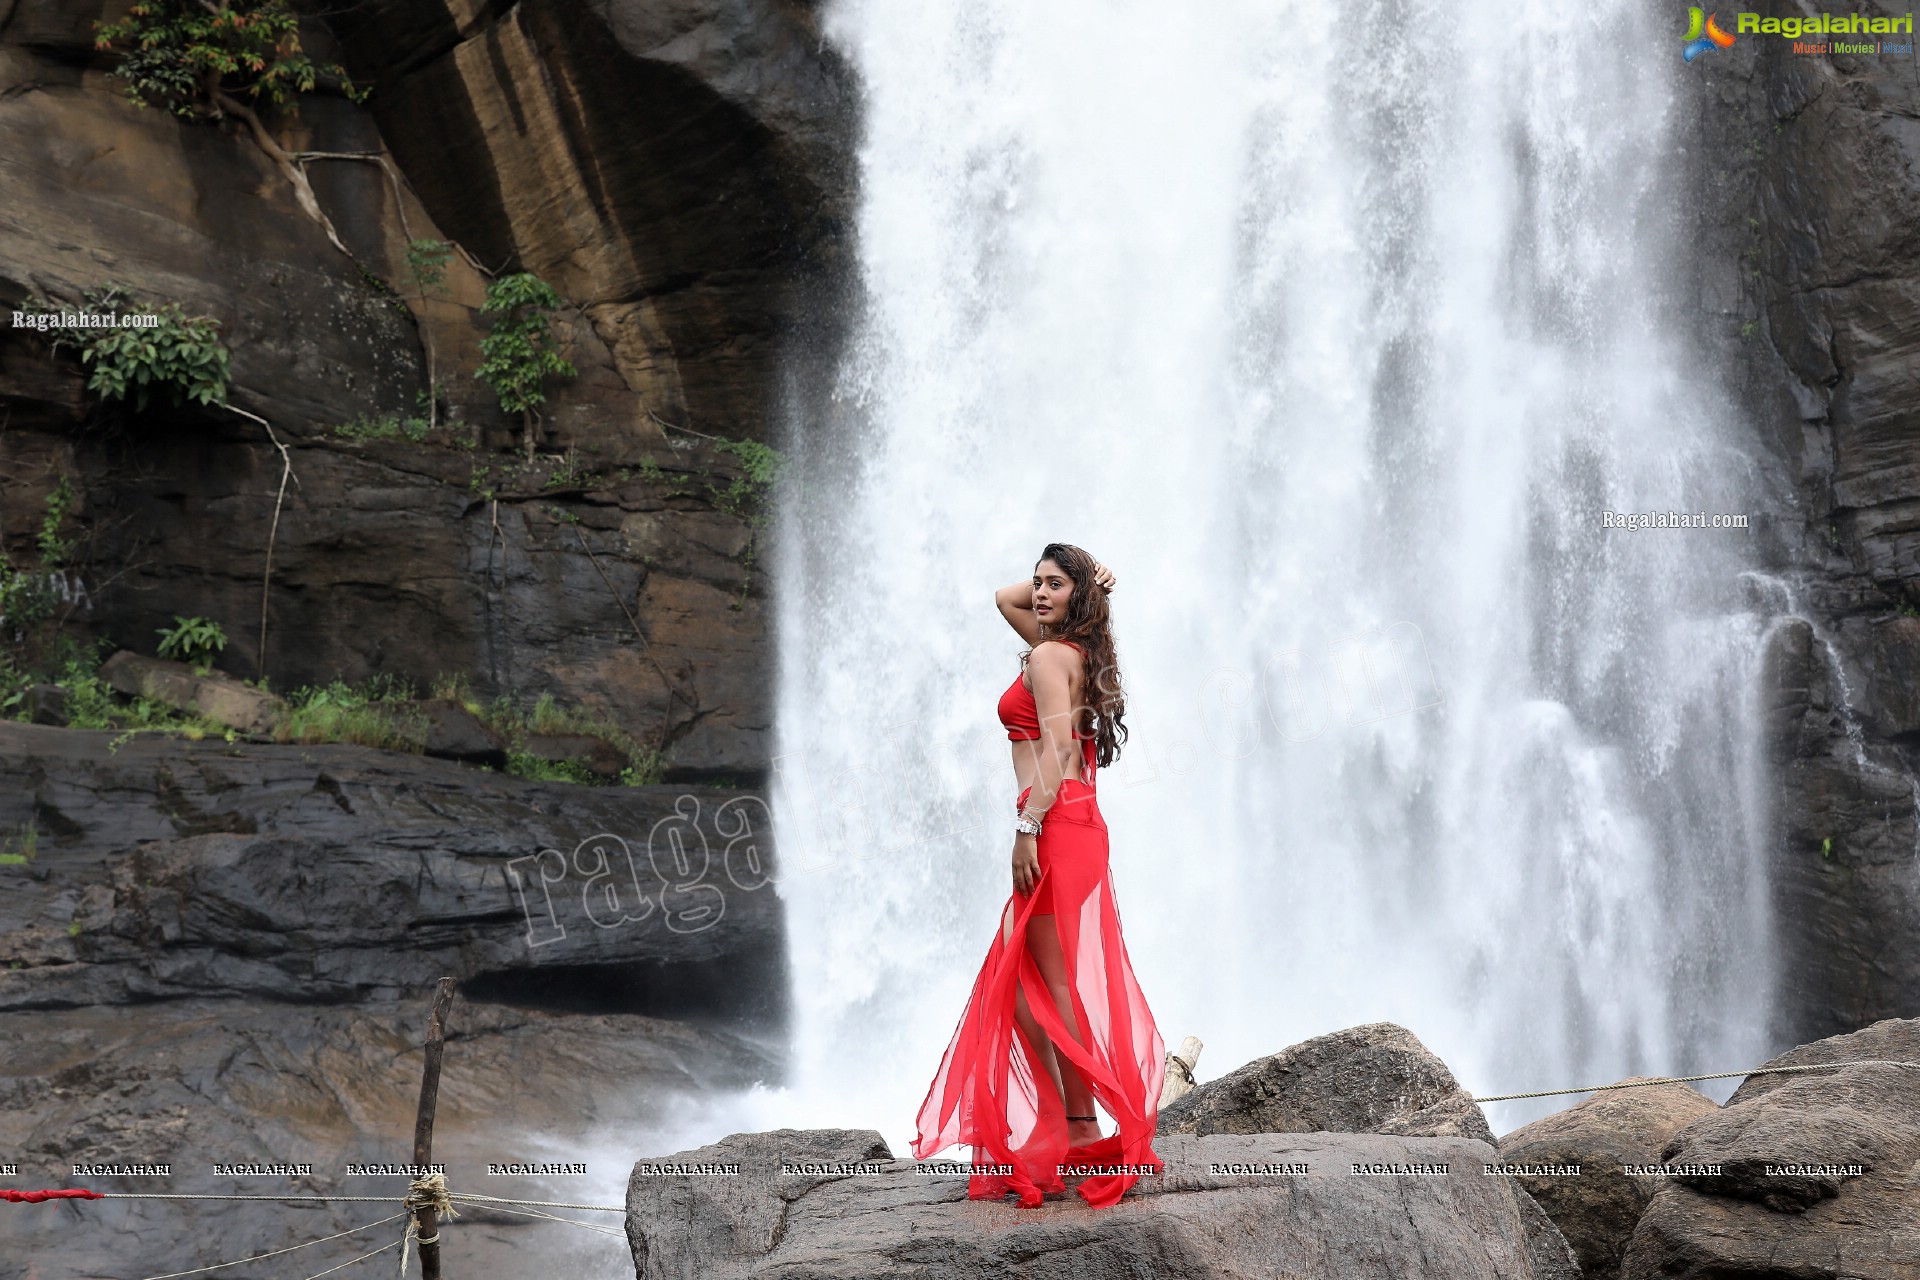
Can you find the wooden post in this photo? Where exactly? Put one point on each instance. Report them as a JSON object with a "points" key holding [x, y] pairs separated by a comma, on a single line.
{"points": [[1180, 1067], [427, 1218]]}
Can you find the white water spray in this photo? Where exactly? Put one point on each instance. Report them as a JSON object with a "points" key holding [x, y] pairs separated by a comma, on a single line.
{"points": [[1334, 340]]}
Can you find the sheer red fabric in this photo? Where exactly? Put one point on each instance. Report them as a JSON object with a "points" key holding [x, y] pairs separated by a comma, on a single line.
{"points": [[993, 1091]]}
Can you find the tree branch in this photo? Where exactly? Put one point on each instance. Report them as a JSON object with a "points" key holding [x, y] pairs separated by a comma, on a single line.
{"points": [[273, 532], [283, 159]]}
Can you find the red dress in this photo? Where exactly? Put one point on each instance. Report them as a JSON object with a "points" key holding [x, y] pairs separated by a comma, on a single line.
{"points": [[992, 1091]]}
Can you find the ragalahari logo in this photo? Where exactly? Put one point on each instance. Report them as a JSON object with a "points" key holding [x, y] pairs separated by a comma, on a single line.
{"points": [[1703, 33]]}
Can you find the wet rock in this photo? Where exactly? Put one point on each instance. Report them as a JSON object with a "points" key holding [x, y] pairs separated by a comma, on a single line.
{"points": [[1376, 1078], [1198, 1220], [1819, 233], [47, 704], [1808, 1175], [333, 873], [1597, 1209], [455, 733], [218, 697]]}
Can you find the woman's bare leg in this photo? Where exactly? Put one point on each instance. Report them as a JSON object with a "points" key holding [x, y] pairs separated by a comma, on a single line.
{"points": [[1028, 1024], [1043, 943]]}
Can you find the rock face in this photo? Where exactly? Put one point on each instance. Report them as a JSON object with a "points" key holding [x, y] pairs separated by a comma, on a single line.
{"points": [[1598, 1209], [1809, 261], [334, 873], [682, 170], [693, 249], [1376, 1078], [1808, 1175], [787, 1212]]}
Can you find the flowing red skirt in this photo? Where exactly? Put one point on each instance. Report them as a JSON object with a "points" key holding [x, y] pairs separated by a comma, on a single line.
{"points": [[993, 1092]]}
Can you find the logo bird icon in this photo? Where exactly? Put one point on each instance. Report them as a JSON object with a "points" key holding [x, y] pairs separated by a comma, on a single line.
{"points": [[1703, 33]]}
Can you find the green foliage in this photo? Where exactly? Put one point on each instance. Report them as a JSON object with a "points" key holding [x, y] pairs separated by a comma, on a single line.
{"points": [[383, 426], [55, 550], [745, 496], [760, 465], [14, 682], [427, 265], [515, 720], [1826, 847], [379, 713], [569, 474], [176, 53], [762, 462], [20, 845], [27, 597], [179, 354], [518, 351], [194, 641]]}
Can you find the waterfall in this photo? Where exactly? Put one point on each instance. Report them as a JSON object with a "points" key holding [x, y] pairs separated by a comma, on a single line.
{"points": [[1334, 332]]}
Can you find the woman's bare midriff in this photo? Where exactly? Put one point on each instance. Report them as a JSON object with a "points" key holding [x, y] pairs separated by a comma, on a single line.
{"points": [[1026, 755]]}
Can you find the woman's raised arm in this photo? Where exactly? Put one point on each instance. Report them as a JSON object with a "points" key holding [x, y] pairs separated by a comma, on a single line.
{"points": [[1016, 606]]}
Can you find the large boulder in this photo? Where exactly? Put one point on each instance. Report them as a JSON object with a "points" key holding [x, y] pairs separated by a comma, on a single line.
{"points": [[1577, 1159], [219, 698], [835, 1203], [1806, 1175], [454, 733], [1376, 1078]]}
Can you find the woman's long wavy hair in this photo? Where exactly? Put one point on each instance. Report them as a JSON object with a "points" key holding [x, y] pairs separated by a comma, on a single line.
{"points": [[1089, 623]]}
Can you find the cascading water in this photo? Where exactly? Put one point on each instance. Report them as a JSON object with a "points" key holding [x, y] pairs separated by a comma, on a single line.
{"points": [[1334, 333]]}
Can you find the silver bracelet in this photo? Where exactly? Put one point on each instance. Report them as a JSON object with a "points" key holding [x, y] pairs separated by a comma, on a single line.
{"points": [[1026, 824]]}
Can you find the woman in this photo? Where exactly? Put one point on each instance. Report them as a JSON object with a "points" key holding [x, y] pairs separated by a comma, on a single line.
{"points": [[1056, 1022]]}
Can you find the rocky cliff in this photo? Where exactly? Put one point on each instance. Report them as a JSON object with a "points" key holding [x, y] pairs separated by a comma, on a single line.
{"points": [[677, 172], [216, 950], [1805, 249]]}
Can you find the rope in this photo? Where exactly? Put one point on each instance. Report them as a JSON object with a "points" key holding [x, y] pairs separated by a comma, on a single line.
{"points": [[221, 1266], [177, 1195], [540, 1204], [615, 1232], [429, 1192], [35, 1197], [350, 1261], [1718, 1075]]}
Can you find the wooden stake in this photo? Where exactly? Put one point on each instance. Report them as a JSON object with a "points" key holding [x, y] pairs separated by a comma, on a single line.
{"points": [[426, 1218], [1180, 1065]]}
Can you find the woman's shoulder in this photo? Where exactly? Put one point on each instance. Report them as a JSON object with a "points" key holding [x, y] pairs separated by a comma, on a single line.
{"points": [[1056, 651]]}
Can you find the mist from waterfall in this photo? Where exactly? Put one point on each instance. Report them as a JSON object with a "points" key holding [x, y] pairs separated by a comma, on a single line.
{"points": [[1333, 331]]}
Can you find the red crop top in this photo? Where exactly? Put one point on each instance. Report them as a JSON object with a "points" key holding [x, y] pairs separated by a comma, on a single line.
{"points": [[1019, 713]]}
